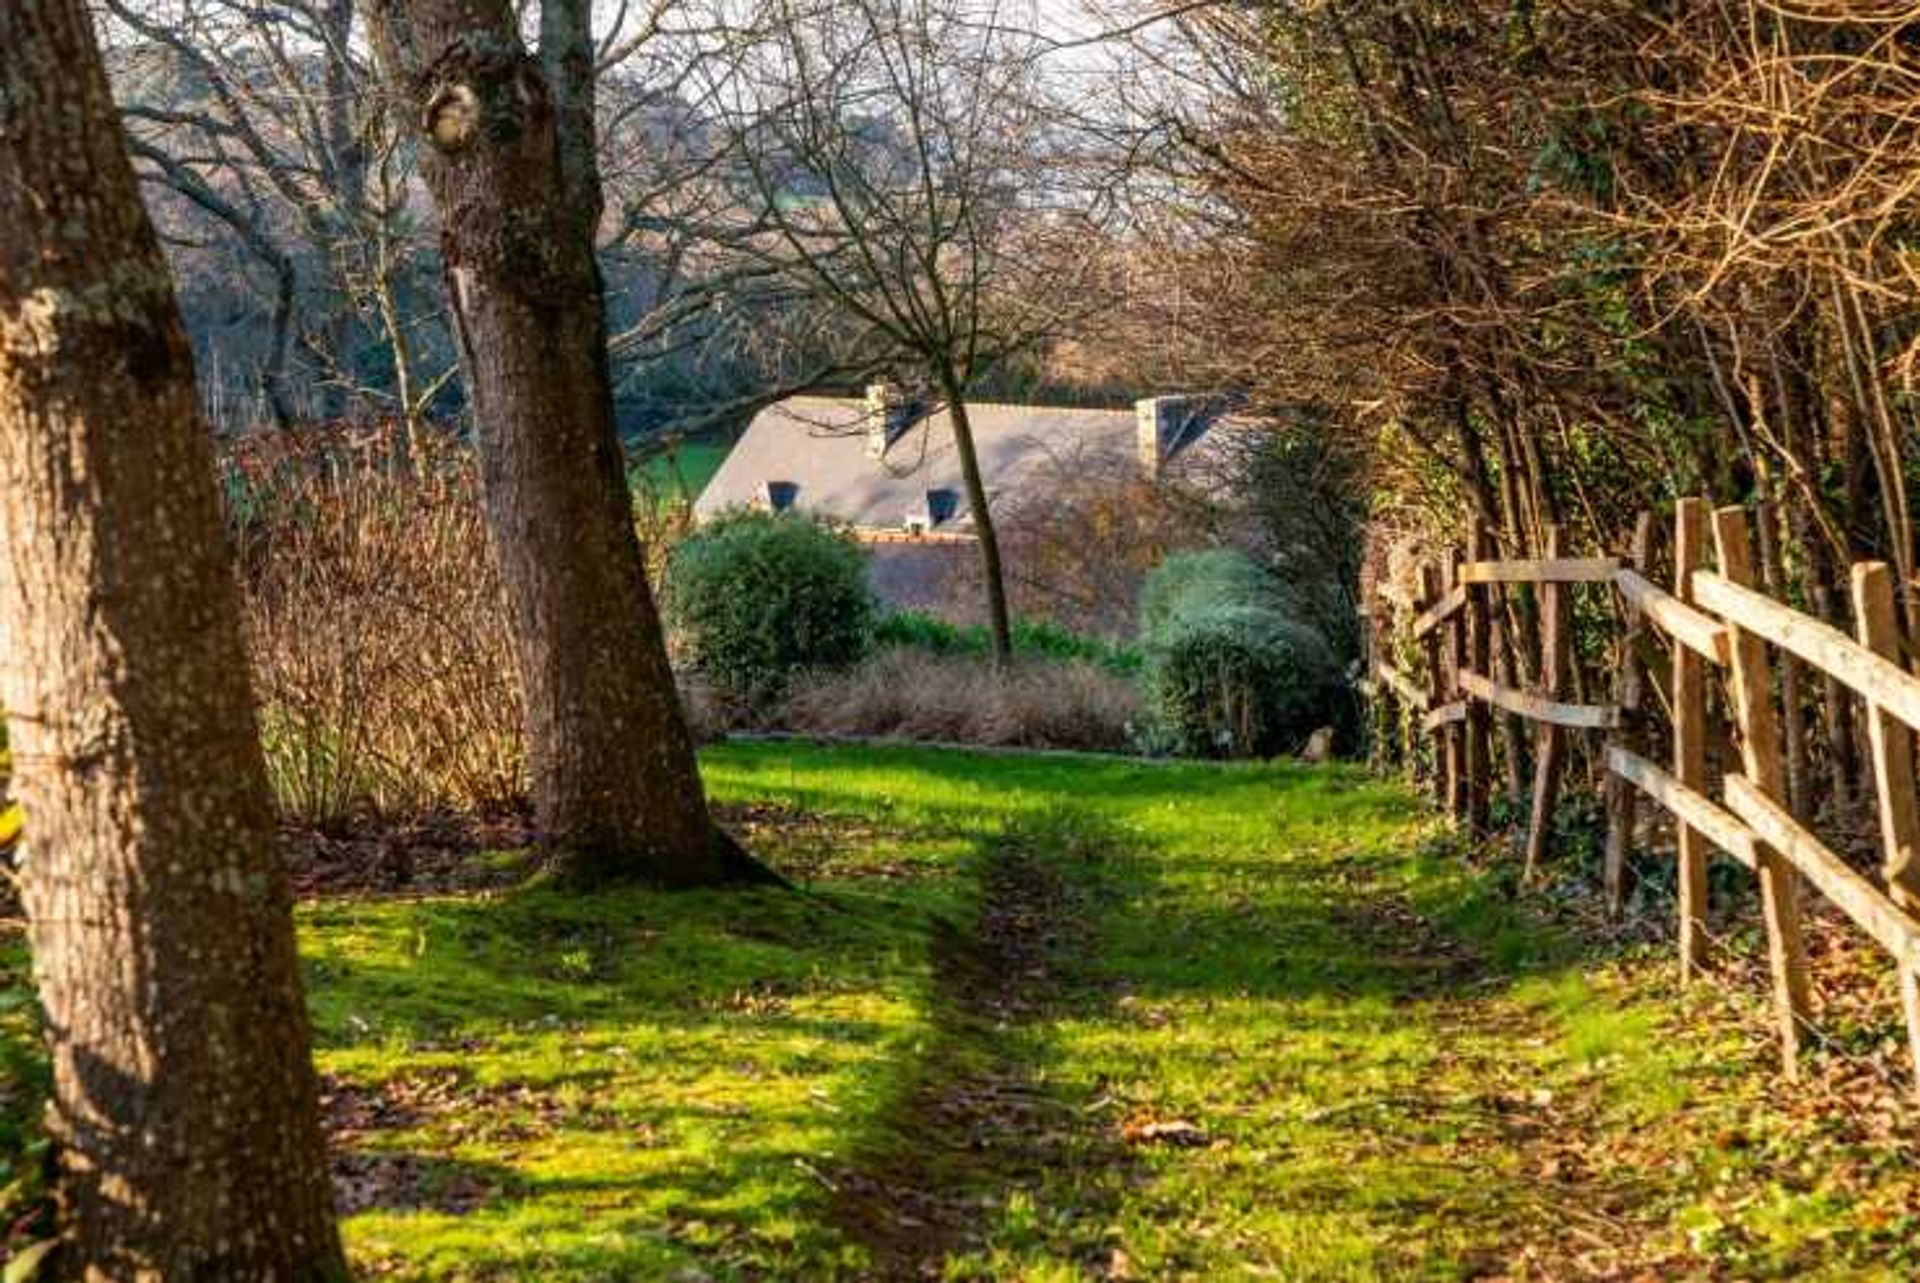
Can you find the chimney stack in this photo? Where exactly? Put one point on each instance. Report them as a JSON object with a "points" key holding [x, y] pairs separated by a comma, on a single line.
{"points": [[1163, 424], [889, 412], [1154, 418]]}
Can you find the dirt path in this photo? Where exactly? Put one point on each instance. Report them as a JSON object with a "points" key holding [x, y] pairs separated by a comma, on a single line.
{"points": [[977, 1126]]}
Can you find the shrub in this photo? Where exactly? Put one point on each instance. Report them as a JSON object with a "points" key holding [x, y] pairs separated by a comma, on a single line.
{"points": [[1307, 496], [1032, 637], [381, 659], [1230, 673], [757, 597], [911, 693]]}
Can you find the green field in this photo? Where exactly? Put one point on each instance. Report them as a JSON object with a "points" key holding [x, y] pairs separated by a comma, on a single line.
{"points": [[1050, 1018], [681, 471]]}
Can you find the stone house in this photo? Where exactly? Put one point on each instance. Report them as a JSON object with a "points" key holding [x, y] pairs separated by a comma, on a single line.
{"points": [[886, 467]]}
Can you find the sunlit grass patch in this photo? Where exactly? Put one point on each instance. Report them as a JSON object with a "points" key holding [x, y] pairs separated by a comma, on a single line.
{"points": [[662, 1071]]}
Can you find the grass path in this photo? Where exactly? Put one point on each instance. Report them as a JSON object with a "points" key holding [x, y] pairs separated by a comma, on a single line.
{"points": [[975, 1120], [1295, 1036], [1052, 1019]]}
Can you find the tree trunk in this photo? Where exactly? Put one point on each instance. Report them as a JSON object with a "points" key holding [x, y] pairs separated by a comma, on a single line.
{"points": [[273, 377], [185, 1115], [999, 623], [614, 777]]}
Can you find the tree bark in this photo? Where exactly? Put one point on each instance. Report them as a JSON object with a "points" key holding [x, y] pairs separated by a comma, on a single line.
{"points": [[185, 1115], [614, 777]]}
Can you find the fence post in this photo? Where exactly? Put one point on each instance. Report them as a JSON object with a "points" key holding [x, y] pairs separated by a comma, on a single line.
{"points": [[1551, 753], [1893, 775], [1760, 751], [1628, 687], [1773, 581], [1690, 740], [1436, 690], [1890, 739], [1476, 760], [1456, 659]]}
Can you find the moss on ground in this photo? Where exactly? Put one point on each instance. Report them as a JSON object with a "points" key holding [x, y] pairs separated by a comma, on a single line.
{"points": [[1051, 1018]]}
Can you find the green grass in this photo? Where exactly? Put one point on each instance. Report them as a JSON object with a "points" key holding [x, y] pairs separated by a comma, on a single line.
{"points": [[682, 471], [22, 1085], [1394, 1070], [1035, 637]]}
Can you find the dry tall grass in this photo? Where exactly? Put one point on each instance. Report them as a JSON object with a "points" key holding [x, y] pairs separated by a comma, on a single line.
{"points": [[910, 694], [381, 660]]}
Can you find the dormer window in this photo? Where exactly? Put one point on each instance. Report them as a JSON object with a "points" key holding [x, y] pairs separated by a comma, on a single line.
{"points": [[941, 505], [781, 494]]}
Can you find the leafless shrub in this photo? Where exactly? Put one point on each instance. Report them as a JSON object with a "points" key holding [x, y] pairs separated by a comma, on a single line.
{"points": [[1080, 542], [382, 664], [909, 694]]}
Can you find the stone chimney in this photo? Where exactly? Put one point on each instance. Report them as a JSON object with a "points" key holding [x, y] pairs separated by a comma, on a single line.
{"points": [[890, 410], [1163, 424], [1157, 420]]}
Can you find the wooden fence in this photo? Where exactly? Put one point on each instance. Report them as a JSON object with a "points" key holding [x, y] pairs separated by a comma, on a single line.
{"points": [[1716, 626]]}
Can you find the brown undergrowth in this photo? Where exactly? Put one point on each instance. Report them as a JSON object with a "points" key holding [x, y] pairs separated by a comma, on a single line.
{"points": [[382, 662]]}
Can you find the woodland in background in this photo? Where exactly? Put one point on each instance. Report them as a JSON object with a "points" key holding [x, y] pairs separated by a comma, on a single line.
{"points": [[1554, 264], [283, 174]]}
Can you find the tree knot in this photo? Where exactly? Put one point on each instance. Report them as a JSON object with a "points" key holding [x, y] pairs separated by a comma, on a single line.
{"points": [[479, 86]]}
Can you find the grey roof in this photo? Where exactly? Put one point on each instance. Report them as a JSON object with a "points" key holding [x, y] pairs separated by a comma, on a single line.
{"points": [[819, 446]]}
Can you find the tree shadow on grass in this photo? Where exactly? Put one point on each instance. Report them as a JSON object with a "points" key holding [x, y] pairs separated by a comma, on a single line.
{"points": [[635, 1081], [379, 1180], [1360, 1028], [980, 1123]]}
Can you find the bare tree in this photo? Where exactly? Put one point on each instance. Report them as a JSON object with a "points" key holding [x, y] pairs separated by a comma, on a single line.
{"points": [[269, 129], [283, 178], [905, 166], [185, 1113]]}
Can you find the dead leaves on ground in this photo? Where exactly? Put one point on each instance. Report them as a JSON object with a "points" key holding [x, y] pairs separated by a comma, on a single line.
{"points": [[440, 1110]]}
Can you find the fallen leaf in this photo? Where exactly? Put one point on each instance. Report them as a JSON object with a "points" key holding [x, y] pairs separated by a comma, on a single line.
{"points": [[1173, 1131]]}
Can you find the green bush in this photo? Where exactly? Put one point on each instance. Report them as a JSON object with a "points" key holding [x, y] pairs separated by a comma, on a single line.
{"points": [[757, 597], [1230, 671], [1033, 638]]}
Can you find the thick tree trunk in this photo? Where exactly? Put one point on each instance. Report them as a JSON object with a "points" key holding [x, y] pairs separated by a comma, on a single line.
{"points": [[979, 503], [185, 1112], [614, 776]]}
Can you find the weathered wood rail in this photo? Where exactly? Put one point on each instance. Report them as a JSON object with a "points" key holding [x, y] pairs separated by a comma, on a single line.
{"points": [[1717, 625]]}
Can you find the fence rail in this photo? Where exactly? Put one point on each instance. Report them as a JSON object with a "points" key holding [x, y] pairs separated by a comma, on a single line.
{"points": [[1717, 625], [1552, 570]]}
